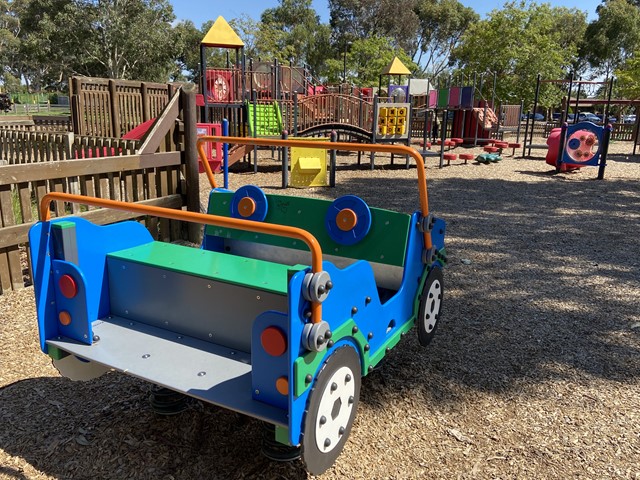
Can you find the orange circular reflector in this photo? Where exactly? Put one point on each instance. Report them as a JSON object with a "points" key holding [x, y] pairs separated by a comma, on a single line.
{"points": [[65, 318], [282, 385], [274, 341], [68, 286], [246, 207], [346, 219]]}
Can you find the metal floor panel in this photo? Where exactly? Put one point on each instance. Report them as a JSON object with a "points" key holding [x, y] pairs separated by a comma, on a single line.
{"points": [[197, 368]]}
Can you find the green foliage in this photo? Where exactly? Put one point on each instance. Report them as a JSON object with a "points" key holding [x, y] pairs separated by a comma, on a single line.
{"points": [[442, 24], [613, 37], [366, 59], [629, 77], [102, 38], [9, 43], [292, 32], [396, 20], [519, 42], [44, 42]]}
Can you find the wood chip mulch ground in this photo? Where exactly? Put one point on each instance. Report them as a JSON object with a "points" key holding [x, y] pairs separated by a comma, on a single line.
{"points": [[534, 372]]}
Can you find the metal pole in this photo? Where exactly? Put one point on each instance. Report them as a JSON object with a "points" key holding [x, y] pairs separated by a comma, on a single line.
{"points": [[443, 136], [344, 69], [605, 150], [605, 119], [255, 131], [575, 115], [533, 117], [285, 161], [565, 114], [561, 147], [205, 86], [332, 161], [225, 153]]}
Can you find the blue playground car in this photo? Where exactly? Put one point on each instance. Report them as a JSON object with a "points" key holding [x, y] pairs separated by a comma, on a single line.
{"points": [[287, 303]]}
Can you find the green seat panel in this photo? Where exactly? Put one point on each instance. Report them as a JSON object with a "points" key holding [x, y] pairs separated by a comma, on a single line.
{"points": [[385, 243], [248, 272]]}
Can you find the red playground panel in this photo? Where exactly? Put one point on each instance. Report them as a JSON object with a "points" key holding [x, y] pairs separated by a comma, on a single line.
{"points": [[213, 150]]}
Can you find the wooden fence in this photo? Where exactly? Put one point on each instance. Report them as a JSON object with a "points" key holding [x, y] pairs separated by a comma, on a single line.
{"points": [[35, 163], [22, 147], [110, 108], [61, 123]]}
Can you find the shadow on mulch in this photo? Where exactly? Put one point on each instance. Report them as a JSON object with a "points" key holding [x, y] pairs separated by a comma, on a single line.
{"points": [[532, 303], [65, 429], [534, 300]]}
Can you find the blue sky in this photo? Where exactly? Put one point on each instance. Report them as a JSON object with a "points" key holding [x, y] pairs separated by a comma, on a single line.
{"points": [[199, 11]]}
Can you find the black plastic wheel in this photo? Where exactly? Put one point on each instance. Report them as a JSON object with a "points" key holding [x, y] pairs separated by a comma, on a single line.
{"points": [[430, 306], [331, 410]]}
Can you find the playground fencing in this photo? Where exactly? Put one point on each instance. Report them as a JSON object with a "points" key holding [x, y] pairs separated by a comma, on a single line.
{"points": [[23, 147], [317, 110], [35, 123], [110, 108], [33, 164]]}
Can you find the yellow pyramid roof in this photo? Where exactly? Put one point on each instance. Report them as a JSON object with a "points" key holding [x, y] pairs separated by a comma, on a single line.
{"points": [[396, 67], [222, 35]]}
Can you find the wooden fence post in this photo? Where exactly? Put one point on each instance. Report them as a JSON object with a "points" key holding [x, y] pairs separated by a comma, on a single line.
{"points": [[146, 107], [190, 152], [77, 109], [115, 109]]}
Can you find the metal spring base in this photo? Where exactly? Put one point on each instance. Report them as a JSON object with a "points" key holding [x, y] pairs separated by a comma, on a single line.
{"points": [[277, 451], [168, 402]]}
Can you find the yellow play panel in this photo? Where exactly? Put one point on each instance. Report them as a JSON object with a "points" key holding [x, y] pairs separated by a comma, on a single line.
{"points": [[309, 166]]}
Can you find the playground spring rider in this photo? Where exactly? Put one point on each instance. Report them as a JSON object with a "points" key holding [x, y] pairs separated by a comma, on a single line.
{"points": [[258, 320], [580, 145]]}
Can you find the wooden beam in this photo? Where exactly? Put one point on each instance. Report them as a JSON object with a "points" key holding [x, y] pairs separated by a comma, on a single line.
{"points": [[188, 101], [161, 126], [10, 174], [17, 234]]}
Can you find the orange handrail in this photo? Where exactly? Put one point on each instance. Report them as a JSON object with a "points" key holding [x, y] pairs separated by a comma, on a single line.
{"points": [[362, 147], [207, 219]]}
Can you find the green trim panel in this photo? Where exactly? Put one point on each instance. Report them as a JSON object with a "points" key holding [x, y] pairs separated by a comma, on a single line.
{"points": [[309, 363], [282, 435], [385, 243], [55, 353], [247, 272]]}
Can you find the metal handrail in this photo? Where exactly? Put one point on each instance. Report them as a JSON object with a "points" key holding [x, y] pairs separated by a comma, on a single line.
{"points": [[216, 220], [362, 147]]}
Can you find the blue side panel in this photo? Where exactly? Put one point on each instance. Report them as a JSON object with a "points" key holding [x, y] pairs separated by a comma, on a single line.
{"points": [[266, 369], [348, 300], [42, 283], [80, 327], [93, 243], [297, 306], [351, 287], [399, 309], [438, 233]]}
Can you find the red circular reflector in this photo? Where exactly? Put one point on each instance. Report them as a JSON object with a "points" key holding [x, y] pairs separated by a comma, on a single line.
{"points": [[273, 341], [68, 286]]}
